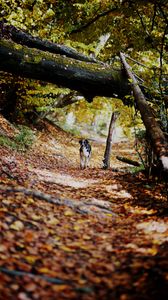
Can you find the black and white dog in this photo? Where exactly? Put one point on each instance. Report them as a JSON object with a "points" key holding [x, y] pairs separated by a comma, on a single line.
{"points": [[85, 153]]}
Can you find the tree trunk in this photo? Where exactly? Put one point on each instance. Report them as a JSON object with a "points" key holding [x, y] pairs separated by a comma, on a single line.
{"points": [[153, 130], [90, 79], [106, 160]]}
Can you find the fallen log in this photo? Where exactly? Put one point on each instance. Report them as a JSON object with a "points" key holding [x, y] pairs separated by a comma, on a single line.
{"points": [[128, 161], [23, 38], [156, 135], [90, 79]]}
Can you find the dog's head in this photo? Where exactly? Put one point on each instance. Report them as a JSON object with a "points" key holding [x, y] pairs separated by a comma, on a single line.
{"points": [[83, 142]]}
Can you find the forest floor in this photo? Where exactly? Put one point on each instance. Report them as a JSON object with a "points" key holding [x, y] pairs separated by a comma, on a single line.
{"points": [[88, 234]]}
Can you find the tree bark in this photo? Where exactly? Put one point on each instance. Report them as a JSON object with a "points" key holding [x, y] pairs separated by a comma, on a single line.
{"points": [[106, 160], [90, 79], [158, 140], [23, 38]]}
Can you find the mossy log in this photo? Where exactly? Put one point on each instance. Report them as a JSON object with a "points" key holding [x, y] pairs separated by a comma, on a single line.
{"points": [[128, 161], [24, 38], [90, 79]]}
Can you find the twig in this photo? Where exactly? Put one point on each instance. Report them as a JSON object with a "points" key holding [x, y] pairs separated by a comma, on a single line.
{"points": [[46, 278], [53, 280], [139, 63], [9, 175]]}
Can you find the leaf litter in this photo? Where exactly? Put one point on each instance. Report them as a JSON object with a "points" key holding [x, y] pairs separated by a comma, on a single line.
{"points": [[108, 242]]}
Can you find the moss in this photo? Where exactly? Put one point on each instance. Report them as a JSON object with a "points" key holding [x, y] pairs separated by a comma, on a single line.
{"points": [[36, 56]]}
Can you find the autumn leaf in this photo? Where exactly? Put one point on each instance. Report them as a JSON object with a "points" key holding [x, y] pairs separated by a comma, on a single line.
{"points": [[17, 225], [31, 259], [68, 213]]}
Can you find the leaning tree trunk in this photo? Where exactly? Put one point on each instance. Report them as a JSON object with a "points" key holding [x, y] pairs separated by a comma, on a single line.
{"points": [[106, 160], [158, 140]]}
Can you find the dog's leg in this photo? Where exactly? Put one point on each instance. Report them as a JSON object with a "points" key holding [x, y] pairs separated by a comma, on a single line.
{"points": [[87, 161], [82, 163]]}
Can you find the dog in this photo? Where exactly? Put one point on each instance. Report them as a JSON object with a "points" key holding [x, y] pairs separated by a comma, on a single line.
{"points": [[85, 153]]}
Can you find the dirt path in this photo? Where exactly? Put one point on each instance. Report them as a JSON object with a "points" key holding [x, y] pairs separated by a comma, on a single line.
{"points": [[104, 237]]}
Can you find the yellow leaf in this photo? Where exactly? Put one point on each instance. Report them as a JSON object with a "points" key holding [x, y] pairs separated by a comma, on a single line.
{"points": [[66, 249], [35, 217], [17, 225], [68, 213], [31, 259], [77, 227], [152, 251], [59, 288], [86, 237], [56, 238], [109, 215], [44, 270], [29, 201], [53, 221]]}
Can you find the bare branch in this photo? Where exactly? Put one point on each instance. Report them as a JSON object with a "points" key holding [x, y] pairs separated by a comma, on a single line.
{"points": [[93, 20]]}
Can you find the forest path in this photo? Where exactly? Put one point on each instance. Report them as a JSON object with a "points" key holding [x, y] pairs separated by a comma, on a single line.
{"points": [[109, 242]]}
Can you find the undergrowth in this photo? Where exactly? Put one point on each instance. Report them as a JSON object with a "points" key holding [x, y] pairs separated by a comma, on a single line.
{"points": [[21, 141]]}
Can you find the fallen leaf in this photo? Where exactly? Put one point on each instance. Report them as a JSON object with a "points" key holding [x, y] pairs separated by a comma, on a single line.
{"points": [[31, 259], [17, 225]]}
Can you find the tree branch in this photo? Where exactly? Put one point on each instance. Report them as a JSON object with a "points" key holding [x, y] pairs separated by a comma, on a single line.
{"points": [[93, 20], [154, 16]]}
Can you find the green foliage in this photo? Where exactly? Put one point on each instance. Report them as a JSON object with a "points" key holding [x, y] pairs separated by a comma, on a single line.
{"points": [[22, 141], [7, 142], [137, 28], [25, 138], [95, 117], [135, 170], [73, 130]]}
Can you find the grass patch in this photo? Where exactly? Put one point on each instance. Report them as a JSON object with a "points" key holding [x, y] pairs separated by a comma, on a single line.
{"points": [[7, 142]]}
